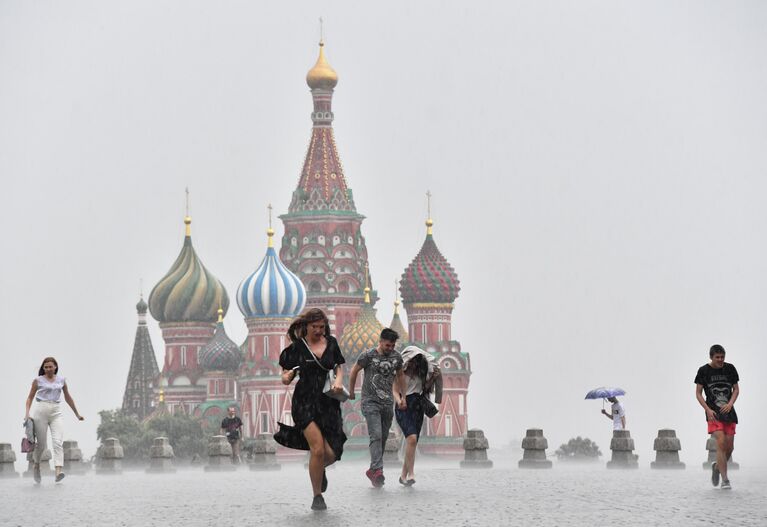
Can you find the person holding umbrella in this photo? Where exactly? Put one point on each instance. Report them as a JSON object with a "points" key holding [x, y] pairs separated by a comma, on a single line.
{"points": [[617, 414]]}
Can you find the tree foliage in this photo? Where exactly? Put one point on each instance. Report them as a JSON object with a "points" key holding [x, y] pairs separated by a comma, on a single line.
{"points": [[578, 449], [184, 433]]}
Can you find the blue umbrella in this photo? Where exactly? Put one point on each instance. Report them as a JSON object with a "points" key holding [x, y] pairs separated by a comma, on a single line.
{"points": [[603, 393]]}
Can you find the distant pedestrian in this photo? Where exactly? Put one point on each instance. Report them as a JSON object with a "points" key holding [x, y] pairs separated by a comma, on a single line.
{"points": [[422, 376], [317, 416], [383, 367], [46, 393], [617, 414], [231, 426], [719, 380]]}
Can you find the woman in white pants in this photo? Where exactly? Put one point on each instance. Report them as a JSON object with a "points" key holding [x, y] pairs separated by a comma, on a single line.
{"points": [[46, 391]]}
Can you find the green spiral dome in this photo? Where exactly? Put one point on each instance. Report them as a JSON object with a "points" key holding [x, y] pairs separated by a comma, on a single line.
{"points": [[188, 292]]}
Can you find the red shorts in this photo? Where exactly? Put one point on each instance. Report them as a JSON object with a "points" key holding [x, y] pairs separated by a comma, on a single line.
{"points": [[727, 428]]}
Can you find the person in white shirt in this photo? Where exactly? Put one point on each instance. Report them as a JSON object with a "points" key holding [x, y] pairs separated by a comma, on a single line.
{"points": [[46, 391], [617, 414]]}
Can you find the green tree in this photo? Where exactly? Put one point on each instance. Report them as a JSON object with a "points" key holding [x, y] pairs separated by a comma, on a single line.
{"points": [[578, 449], [184, 433], [126, 428]]}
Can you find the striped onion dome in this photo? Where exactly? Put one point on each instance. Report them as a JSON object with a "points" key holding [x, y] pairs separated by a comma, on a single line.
{"points": [[188, 292], [429, 277], [220, 353], [272, 290], [363, 335]]}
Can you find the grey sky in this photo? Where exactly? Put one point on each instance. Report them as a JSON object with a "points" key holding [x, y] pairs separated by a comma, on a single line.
{"points": [[598, 172]]}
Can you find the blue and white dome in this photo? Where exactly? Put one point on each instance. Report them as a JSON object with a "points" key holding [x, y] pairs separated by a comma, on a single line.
{"points": [[272, 290]]}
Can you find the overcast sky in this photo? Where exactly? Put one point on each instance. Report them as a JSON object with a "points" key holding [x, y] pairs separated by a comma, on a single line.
{"points": [[597, 171]]}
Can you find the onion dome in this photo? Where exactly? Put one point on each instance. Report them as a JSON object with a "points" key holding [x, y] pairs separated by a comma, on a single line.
{"points": [[188, 292], [429, 277], [220, 353], [322, 76], [363, 335], [396, 322], [141, 307], [272, 290]]}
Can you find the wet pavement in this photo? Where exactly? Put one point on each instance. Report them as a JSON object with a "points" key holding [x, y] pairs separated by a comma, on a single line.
{"points": [[443, 495]]}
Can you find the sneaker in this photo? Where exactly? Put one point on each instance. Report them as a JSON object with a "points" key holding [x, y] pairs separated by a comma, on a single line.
{"points": [[36, 473], [714, 475], [59, 476], [726, 484], [406, 482], [318, 503], [410, 482], [376, 477], [324, 481]]}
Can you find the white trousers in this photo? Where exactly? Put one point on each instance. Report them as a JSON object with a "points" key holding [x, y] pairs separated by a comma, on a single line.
{"points": [[47, 414]]}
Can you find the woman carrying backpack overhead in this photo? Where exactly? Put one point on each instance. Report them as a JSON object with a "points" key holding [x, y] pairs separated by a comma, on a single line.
{"points": [[423, 377]]}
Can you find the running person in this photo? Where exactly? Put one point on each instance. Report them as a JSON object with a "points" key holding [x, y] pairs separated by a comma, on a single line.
{"points": [[719, 381]]}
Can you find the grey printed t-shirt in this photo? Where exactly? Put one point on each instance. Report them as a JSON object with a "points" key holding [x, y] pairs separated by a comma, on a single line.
{"points": [[380, 371]]}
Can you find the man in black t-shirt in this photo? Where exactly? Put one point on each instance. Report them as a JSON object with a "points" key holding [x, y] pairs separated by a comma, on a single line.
{"points": [[719, 381], [231, 426]]}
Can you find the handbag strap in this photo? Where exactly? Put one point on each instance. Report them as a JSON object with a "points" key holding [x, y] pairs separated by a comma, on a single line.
{"points": [[314, 357]]}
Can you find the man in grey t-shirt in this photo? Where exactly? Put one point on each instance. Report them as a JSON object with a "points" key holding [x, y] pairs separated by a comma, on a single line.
{"points": [[383, 375]]}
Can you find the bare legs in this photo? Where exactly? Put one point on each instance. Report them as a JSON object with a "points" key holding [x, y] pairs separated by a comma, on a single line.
{"points": [[408, 471], [320, 456], [724, 447]]}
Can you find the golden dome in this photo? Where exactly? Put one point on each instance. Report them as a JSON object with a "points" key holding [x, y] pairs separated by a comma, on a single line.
{"points": [[322, 75]]}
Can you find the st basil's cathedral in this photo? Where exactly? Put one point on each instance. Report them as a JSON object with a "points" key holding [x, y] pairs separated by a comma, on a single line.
{"points": [[322, 262]]}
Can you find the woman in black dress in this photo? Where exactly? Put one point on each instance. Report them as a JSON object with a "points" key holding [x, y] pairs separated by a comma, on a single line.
{"points": [[316, 416]]}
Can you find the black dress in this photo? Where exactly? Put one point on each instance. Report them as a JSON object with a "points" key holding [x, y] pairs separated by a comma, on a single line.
{"points": [[309, 403]]}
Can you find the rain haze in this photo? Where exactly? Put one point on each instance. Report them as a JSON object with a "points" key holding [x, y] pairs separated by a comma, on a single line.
{"points": [[597, 171]]}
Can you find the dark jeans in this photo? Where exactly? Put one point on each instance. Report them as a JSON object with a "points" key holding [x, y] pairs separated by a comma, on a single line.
{"points": [[379, 418]]}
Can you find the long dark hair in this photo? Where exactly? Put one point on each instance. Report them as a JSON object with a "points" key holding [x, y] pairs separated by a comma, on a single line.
{"points": [[297, 329], [41, 371], [418, 366]]}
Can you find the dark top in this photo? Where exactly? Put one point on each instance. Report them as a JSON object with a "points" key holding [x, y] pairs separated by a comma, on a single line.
{"points": [[232, 426], [309, 403], [718, 384]]}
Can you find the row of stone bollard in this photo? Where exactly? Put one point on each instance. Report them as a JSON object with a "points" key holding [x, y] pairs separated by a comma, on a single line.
{"points": [[534, 445], [73, 461]]}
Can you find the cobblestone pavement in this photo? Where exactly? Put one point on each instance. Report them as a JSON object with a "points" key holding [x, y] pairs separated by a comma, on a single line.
{"points": [[443, 495]]}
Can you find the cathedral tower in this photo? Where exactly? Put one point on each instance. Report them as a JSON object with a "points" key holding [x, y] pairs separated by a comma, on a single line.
{"points": [[269, 298], [139, 395], [322, 243], [185, 303], [429, 287]]}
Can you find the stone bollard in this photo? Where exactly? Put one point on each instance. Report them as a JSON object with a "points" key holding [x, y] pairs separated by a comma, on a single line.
{"points": [[711, 447], [73, 459], [534, 445], [391, 448], [219, 455], [7, 460], [45, 467], [160, 456], [109, 457], [264, 453], [667, 447], [622, 446], [475, 446]]}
